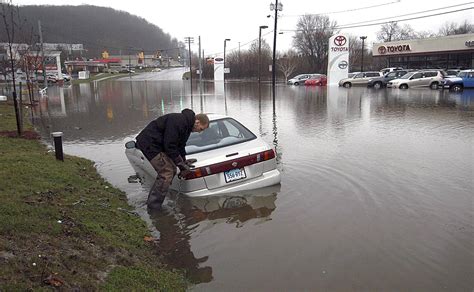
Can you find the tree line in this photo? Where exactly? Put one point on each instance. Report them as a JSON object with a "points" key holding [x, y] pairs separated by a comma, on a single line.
{"points": [[309, 51]]}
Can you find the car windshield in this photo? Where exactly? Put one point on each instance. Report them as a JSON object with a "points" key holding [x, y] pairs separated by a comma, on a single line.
{"points": [[221, 133]]}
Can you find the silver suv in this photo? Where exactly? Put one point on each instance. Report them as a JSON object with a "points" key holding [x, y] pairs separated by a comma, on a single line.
{"points": [[361, 78], [299, 79], [424, 78]]}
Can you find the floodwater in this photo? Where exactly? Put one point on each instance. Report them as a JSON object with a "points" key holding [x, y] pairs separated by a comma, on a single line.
{"points": [[376, 191]]}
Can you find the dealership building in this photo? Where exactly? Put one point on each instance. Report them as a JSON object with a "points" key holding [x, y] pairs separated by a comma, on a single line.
{"points": [[454, 51]]}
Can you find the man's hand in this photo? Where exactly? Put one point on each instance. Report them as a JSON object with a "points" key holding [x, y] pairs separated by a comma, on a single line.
{"points": [[189, 162], [184, 169]]}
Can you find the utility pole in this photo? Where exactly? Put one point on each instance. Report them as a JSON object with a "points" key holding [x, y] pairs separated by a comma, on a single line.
{"points": [[190, 40], [362, 61], [225, 41], [260, 48], [277, 7], [129, 64], [42, 53], [200, 62]]}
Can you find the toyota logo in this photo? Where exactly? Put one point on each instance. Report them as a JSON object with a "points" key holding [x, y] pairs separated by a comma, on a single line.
{"points": [[382, 50], [234, 164], [340, 40], [342, 65]]}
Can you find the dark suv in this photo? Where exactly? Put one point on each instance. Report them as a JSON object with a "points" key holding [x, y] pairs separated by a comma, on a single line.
{"points": [[380, 82]]}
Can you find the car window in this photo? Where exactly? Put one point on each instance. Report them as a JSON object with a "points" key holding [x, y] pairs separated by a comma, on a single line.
{"points": [[360, 75], [391, 74], [400, 73], [372, 74], [471, 75], [406, 76], [221, 133], [417, 76], [430, 74]]}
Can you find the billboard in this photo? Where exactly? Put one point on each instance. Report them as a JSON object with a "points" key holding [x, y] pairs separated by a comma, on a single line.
{"points": [[338, 58]]}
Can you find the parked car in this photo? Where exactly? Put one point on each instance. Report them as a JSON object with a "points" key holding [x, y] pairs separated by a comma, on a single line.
{"points": [[464, 79], [452, 72], [359, 79], [50, 77], [379, 82], [351, 74], [156, 70], [317, 79], [229, 157], [425, 78], [299, 79], [66, 76]]}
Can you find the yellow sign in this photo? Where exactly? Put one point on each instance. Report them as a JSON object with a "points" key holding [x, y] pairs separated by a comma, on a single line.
{"points": [[105, 55]]}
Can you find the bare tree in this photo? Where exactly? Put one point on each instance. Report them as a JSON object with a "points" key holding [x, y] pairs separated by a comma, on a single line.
{"points": [[311, 39], [393, 32], [287, 63], [8, 16], [452, 28]]}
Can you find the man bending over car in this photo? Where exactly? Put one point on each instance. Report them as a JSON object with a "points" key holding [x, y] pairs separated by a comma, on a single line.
{"points": [[162, 142]]}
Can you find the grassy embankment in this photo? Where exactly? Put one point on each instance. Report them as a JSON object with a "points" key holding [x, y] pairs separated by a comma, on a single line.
{"points": [[63, 225]]}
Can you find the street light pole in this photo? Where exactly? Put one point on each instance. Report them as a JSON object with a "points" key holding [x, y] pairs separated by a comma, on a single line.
{"points": [[190, 40], [277, 7], [260, 48], [225, 41], [362, 61]]}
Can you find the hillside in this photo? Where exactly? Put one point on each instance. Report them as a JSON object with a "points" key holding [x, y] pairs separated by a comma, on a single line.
{"points": [[95, 27]]}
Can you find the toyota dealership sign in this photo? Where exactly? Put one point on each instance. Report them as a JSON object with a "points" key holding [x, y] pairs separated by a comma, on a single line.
{"points": [[338, 61]]}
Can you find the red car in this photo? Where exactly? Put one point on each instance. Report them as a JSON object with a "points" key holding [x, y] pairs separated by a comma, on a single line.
{"points": [[317, 79]]}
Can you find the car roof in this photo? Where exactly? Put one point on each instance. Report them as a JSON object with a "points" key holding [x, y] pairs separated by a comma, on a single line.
{"points": [[214, 116]]}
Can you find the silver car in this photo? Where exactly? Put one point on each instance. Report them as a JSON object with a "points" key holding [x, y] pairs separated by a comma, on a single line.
{"points": [[361, 79], [299, 79], [425, 78], [230, 158]]}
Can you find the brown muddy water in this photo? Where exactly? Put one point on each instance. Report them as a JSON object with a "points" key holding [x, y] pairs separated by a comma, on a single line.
{"points": [[376, 191]]}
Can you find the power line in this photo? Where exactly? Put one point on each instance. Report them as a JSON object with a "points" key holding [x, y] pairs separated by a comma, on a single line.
{"points": [[245, 44], [354, 25], [347, 10], [409, 14]]}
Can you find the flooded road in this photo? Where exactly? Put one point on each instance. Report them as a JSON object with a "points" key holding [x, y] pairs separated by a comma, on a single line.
{"points": [[376, 191]]}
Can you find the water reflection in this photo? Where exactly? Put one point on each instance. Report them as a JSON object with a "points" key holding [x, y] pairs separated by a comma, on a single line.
{"points": [[183, 217]]}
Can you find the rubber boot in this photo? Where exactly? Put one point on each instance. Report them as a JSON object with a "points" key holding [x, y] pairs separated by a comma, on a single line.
{"points": [[156, 195]]}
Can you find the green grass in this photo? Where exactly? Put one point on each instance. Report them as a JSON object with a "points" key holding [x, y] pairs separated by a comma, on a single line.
{"points": [[63, 219]]}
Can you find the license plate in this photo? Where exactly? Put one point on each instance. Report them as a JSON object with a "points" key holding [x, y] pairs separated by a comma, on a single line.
{"points": [[234, 174]]}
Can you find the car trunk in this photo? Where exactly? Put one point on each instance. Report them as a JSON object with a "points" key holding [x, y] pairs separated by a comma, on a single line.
{"points": [[239, 161]]}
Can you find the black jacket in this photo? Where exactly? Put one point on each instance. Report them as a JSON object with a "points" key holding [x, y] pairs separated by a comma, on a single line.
{"points": [[167, 134]]}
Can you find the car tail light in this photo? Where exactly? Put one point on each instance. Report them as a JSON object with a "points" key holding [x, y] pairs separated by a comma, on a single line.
{"points": [[230, 164]]}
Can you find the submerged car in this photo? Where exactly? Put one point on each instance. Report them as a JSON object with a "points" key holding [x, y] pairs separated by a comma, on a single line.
{"points": [[464, 79], [379, 82], [230, 158], [425, 78], [299, 79], [317, 79], [361, 78]]}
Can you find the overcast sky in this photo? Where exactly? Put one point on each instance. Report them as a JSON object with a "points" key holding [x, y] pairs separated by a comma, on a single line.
{"points": [[216, 20]]}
